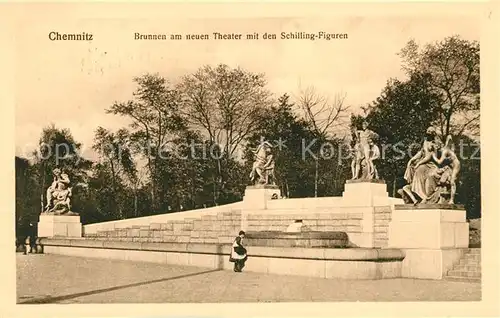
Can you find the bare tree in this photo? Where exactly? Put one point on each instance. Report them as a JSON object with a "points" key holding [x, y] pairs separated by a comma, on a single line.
{"points": [[221, 103], [325, 115]]}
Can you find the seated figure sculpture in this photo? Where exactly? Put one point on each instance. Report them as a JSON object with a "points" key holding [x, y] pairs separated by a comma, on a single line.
{"points": [[432, 173]]}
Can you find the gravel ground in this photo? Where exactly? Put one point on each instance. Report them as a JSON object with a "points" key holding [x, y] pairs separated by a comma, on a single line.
{"points": [[44, 278]]}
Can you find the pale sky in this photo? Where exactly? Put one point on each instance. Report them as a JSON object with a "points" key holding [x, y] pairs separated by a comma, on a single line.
{"points": [[72, 83]]}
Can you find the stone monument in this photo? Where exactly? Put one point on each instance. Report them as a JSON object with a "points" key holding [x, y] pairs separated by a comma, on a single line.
{"points": [[366, 191], [57, 219], [429, 225]]}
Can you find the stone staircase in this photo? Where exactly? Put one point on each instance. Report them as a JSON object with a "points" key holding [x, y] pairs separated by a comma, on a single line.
{"points": [[382, 217], [468, 269], [221, 228]]}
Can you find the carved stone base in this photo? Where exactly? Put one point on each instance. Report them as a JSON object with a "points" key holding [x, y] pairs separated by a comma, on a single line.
{"points": [[59, 225]]}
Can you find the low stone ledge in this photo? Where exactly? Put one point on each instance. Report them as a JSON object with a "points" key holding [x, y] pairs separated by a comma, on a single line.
{"points": [[283, 252], [364, 254], [328, 254], [57, 241], [200, 248], [294, 236], [87, 243], [164, 247], [429, 207], [121, 245]]}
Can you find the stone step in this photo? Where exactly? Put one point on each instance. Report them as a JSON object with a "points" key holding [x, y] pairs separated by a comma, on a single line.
{"points": [[380, 236], [457, 273], [467, 268], [476, 257], [381, 228], [155, 226], [469, 262], [382, 216], [463, 279], [229, 223], [474, 251]]}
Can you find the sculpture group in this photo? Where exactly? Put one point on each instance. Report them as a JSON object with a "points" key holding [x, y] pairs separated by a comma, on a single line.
{"points": [[263, 167], [365, 154], [431, 174], [58, 195]]}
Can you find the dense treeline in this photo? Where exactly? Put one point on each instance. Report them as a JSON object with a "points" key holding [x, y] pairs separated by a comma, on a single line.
{"points": [[189, 144]]}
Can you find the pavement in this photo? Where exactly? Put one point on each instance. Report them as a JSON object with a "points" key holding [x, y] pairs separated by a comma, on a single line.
{"points": [[46, 278]]}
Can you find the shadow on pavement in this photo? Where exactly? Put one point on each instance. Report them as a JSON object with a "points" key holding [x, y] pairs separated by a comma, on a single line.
{"points": [[47, 300]]}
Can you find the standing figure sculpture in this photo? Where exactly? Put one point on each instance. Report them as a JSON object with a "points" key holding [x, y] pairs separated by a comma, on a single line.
{"points": [[59, 194], [374, 155], [365, 153], [263, 166], [431, 172], [450, 159]]}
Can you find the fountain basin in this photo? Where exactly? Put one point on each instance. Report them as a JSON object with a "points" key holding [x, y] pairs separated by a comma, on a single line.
{"points": [[309, 239]]}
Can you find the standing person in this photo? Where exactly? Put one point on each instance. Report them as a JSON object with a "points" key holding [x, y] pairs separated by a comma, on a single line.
{"points": [[22, 235], [238, 252], [27, 245], [33, 236]]}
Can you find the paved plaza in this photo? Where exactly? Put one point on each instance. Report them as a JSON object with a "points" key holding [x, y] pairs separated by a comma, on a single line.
{"points": [[43, 278]]}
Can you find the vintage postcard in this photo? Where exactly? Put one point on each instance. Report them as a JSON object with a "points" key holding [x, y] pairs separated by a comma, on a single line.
{"points": [[213, 160]]}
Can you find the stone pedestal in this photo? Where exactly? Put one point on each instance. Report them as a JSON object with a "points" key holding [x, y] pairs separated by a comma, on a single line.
{"points": [[428, 227], [367, 192], [256, 197], [59, 226], [433, 237], [370, 197]]}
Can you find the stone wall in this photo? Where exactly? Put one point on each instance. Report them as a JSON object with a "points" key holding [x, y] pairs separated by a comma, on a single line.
{"points": [[161, 218], [209, 229], [350, 223], [363, 212], [382, 217]]}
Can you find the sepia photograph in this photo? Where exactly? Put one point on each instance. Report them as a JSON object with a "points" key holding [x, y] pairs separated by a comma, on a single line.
{"points": [[273, 159]]}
